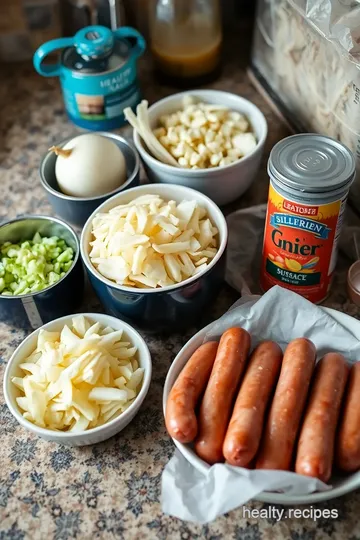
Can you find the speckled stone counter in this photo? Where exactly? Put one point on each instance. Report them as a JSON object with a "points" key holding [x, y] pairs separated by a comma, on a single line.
{"points": [[112, 490]]}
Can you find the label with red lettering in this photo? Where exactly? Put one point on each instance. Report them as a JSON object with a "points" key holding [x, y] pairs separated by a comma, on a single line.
{"points": [[300, 245]]}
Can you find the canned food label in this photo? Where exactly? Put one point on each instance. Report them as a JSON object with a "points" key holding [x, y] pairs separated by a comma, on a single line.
{"points": [[300, 245], [98, 101]]}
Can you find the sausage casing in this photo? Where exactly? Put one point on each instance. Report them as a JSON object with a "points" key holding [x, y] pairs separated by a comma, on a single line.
{"points": [[277, 444], [348, 437], [244, 432], [180, 418], [315, 449], [218, 399]]}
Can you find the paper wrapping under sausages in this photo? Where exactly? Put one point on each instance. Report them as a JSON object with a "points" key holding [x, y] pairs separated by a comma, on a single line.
{"points": [[279, 315]]}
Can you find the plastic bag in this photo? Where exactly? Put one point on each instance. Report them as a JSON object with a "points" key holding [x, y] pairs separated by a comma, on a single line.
{"points": [[308, 52]]}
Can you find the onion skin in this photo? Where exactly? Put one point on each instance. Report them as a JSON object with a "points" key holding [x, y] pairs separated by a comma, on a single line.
{"points": [[60, 151]]}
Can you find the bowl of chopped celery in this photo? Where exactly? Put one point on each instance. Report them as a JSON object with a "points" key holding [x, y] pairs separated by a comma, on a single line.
{"points": [[41, 275]]}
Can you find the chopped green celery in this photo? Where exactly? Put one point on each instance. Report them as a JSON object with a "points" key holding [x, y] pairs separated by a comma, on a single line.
{"points": [[54, 253], [33, 265], [67, 265], [53, 277], [23, 255], [5, 248], [52, 241], [8, 278], [37, 238], [20, 288], [38, 287], [7, 293], [13, 252], [66, 256]]}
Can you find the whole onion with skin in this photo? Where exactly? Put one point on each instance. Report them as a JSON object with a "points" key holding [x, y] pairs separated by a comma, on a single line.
{"points": [[89, 165]]}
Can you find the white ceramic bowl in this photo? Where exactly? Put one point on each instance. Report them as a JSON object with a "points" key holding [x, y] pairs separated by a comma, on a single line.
{"points": [[341, 486], [222, 184], [90, 436]]}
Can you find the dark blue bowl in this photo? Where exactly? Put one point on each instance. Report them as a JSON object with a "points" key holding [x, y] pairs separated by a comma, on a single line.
{"points": [[76, 210], [165, 310], [169, 308], [30, 311]]}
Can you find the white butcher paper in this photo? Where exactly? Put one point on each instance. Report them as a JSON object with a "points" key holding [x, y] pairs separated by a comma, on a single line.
{"points": [[280, 315]]}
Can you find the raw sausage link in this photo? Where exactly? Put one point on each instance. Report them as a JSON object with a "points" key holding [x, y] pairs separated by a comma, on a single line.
{"points": [[315, 450], [348, 439], [216, 405], [282, 425], [244, 432], [180, 416]]}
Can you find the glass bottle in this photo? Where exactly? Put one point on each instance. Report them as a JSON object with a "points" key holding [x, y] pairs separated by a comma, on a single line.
{"points": [[185, 40]]}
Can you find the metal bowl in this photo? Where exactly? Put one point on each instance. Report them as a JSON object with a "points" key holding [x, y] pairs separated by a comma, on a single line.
{"points": [[32, 310], [76, 210]]}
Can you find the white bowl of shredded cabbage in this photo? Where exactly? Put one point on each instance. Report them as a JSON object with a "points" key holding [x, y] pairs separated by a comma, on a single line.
{"points": [[78, 380]]}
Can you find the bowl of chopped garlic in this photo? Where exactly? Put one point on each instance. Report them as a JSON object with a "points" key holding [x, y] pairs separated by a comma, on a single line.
{"points": [[207, 140], [155, 255], [78, 380]]}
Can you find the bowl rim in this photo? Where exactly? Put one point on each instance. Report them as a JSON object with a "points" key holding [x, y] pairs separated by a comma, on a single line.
{"points": [[169, 288], [75, 260], [123, 186], [66, 435], [349, 277], [178, 171]]}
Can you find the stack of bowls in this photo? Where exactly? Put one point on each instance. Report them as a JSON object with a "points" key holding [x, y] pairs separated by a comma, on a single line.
{"points": [[179, 305], [169, 308]]}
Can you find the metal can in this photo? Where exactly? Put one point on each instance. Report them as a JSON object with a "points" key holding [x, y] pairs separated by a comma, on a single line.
{"points": [[310, 177], [98, 74]]}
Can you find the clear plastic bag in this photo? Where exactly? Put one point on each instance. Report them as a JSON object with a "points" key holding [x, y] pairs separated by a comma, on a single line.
{"points": [[308, 52]]}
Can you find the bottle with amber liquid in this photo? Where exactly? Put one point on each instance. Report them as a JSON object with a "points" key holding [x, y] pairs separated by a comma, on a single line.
{"points": [[185, 40]]}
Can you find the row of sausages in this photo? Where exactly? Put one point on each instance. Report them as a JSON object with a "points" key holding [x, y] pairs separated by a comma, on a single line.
{"points": [[287, 407]]}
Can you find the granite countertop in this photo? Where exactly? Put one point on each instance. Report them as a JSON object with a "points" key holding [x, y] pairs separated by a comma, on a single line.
{"points": [[112, 490]]}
